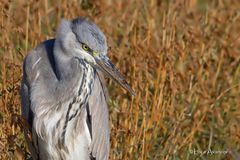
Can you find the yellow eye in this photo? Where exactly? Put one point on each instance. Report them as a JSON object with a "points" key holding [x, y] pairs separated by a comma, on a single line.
{"points": [[85, 47]]}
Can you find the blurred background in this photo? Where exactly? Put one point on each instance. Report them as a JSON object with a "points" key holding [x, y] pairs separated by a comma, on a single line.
{"points": [[182, 57]]}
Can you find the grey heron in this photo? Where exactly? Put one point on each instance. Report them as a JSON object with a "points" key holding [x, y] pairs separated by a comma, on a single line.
{"points": [[64, 96]]}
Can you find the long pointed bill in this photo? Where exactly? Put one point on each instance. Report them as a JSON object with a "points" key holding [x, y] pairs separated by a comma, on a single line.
{"points": [[105, 65]]}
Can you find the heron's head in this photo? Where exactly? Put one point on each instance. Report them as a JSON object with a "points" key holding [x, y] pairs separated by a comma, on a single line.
{"points": [[83, 39]]}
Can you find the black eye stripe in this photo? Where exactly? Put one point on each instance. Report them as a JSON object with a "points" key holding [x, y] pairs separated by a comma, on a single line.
{"points": [[74, 32]]}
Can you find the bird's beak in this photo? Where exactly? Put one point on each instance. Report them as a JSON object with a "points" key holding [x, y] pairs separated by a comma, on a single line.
{"points": [[106, 66]]}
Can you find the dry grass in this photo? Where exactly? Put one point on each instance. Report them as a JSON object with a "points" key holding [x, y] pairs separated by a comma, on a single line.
{"points": [[181, 57]]}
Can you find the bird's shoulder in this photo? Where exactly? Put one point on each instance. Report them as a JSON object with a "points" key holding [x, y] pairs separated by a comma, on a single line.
{"points": [[37, 59]]}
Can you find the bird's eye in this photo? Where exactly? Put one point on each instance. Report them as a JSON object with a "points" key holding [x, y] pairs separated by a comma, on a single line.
{"points": [[85, 47]]}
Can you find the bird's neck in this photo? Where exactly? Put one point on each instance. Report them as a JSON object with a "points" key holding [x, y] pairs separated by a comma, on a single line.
{"points": [[64, 65], [72, 71], [80, 100]]}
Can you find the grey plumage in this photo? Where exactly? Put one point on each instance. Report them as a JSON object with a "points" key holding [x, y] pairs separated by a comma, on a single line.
{"points": [[63, 93]]}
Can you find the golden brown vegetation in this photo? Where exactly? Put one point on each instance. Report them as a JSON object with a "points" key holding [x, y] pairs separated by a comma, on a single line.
{"points": [[181, 57]]}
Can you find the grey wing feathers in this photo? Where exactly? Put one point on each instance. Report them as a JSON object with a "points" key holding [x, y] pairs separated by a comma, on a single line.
{"points": [[26, 113], [100, 126], [25, 99], [103, 84], [25, 89]]}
